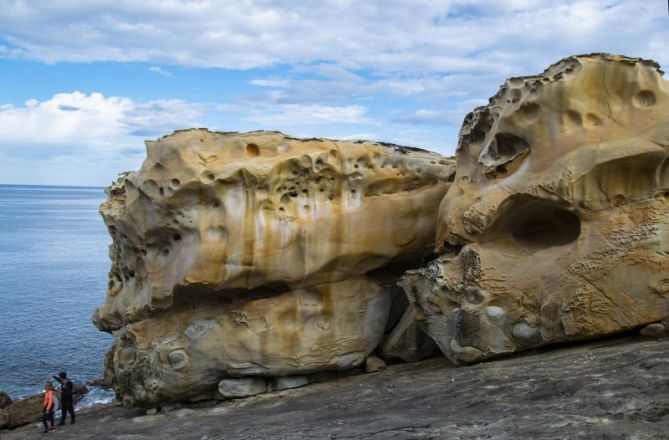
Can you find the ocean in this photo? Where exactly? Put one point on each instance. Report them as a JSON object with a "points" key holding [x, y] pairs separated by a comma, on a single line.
{"points": [[53, 274]]}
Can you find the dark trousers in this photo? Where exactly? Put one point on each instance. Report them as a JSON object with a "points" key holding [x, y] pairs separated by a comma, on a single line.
{"points": [[46, 417], [65, 406]]}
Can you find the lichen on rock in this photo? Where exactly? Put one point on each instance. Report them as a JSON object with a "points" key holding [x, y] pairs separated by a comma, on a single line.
{"points": [[557, 225], [257, 254]]}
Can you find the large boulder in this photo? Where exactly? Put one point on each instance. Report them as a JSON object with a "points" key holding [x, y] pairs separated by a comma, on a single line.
{"points": [[557, 225], [24, 411], [258, 254]]}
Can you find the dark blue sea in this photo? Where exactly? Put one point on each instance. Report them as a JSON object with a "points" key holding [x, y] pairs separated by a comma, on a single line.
{"points": [[53, 274]]}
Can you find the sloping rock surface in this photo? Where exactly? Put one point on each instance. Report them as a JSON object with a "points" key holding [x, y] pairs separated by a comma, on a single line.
{"points": [[28, 410], [258, 254], [613, 389], [557, 225]]}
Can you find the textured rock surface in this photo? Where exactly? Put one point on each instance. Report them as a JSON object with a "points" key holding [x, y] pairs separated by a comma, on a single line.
{"points": [[656, 330], [289, 382], [374, 364], [557, 225], [5, 400], [408, 341], [242, 387], [258, 254], [613, 390]]}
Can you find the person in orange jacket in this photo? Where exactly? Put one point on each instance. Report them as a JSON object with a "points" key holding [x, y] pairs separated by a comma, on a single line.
{"points": [[49, 406]]}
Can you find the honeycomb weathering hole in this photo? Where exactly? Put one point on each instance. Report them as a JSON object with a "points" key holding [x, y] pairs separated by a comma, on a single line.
{"points": [[502, 149], [504, 155], [252, 150], [509, 146], [644, 98], [530, 111]]}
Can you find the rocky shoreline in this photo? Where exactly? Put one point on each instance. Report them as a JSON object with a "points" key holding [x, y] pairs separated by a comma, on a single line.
{"points": [[612, 389], [15, 413]]}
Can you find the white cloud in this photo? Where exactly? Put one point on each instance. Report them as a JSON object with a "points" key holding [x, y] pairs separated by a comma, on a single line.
{"points": [[381, 35], [84, 139], [405, 70], [160, 71], [64, 138], [426, 117], [269, 82], [333, 57], [75, 120], [291, 115]]}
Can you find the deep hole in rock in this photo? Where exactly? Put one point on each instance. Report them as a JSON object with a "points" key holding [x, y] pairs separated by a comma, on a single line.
{"points": [[547, 226], [252, 150], [534, 223], [197, 296], [504, 155], [509, 145], [451, 249]]}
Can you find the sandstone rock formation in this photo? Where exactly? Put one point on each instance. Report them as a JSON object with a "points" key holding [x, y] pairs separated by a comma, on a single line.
{"points": [[258, 255], [557, 225]]}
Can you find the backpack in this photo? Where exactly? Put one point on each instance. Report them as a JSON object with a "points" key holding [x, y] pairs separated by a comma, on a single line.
{"points": [[55, 402]]}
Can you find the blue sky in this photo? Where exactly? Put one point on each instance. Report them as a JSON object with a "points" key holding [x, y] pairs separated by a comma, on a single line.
{"points": [[83, 84]]}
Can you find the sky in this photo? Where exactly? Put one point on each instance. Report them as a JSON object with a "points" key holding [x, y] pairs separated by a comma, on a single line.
{"points": [[84, 83]]}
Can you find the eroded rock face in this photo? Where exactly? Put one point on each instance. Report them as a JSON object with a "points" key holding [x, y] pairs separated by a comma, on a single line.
{"points": [[557, 225], [258, 255]]}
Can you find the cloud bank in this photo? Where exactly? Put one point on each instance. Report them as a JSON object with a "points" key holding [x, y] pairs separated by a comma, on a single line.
{"points": [[400, 71], [381, 35]]}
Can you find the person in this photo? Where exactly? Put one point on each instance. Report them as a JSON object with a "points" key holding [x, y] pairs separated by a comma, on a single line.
{"points": [[48, 407], [66, 399]]}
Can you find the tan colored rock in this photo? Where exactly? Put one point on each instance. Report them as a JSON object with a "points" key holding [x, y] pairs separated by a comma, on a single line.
{"points": [[655, 330], [557, 225], [242, 387], [248, 254], [225, 211], [187, 349], [374, 364]]}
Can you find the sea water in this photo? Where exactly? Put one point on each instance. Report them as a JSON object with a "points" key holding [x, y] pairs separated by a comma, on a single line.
{"points": [[53, 274]]}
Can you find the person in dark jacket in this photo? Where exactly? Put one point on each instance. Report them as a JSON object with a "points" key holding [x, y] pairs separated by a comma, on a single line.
{"points": [[66, 399]]}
